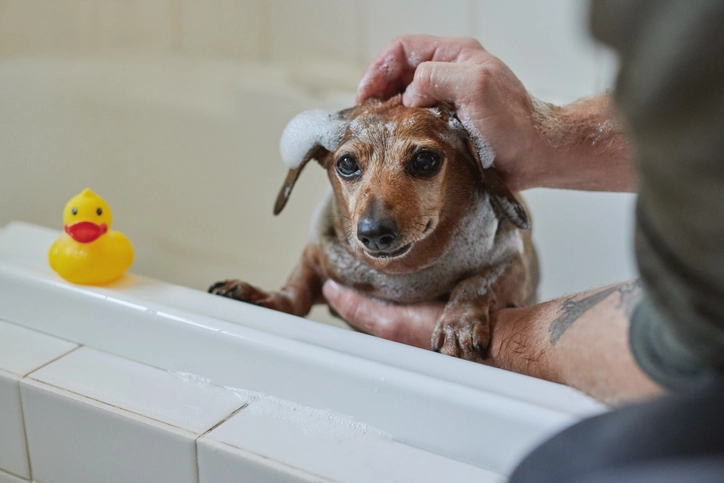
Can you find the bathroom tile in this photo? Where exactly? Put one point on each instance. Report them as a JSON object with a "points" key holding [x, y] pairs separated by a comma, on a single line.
{"points": [[219, 28], [83, 412], [40, 27], [8, 478], [386, 19], [138, 26], [13, 453], [175, 399], [546, 44], [73, 438], [21, 351], [314, 30], [272, 437]]}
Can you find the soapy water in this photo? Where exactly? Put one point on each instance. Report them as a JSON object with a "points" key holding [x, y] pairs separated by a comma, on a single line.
{"points": [[307, 129], [485, 150], [318, 423]]}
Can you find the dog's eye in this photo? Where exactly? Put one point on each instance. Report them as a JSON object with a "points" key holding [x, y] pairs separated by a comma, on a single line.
{"points": [[425, 163], [348, 167]]}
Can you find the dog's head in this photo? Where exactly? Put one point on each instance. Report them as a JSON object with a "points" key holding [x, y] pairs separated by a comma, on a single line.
{"points": [[402, 178]]}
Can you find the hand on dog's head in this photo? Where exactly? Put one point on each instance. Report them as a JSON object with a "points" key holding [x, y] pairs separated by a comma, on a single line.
{"points": [[401, 176]]}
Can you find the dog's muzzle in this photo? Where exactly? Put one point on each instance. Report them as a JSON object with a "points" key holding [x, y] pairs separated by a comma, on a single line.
{"points": [[377, 234]]}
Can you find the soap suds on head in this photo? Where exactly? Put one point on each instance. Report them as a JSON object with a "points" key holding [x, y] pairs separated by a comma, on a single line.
{"points": [[308, 129], [485, 150]]}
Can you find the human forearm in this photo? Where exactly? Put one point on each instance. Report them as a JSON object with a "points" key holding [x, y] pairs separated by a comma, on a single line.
{"points": [[580, 341], [579, 146]]}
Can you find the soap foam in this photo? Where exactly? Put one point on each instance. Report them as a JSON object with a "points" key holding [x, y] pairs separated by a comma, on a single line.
{"points": [[485, 150], [310, 128], [319, 423]]}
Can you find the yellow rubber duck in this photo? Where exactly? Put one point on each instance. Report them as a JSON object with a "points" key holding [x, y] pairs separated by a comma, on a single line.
{"points": [[89, 252]]}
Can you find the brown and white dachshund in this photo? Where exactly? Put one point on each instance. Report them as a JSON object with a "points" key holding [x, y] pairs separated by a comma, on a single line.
{"points": [[413, 216]]}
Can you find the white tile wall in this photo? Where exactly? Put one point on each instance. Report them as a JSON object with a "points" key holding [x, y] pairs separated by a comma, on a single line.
{"points": [[21, 351], [220, 28], [8, 478], [39, 26], [387, 19], [272, 436], [13, 454], [134, 26], [91, 417], [75, 439], [322, 29], [545, 42]]}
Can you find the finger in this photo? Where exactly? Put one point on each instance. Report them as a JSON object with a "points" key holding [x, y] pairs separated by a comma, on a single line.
{"points": [[360, 312], [408, 324], [436, 82], [393, 69]]}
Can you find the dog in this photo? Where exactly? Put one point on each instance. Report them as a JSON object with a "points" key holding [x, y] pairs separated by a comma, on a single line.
{"points": [[413, 216]]}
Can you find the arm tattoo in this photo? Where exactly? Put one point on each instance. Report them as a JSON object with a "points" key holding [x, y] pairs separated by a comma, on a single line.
{"points": [[573, 309]]}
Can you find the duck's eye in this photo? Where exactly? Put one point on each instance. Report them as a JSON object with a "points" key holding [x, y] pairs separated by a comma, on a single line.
{"points": [[348, 166], [99, 211], [424, 163], [74, 211]]}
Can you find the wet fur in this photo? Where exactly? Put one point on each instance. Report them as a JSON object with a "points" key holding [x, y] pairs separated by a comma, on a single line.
{"points": [[467, 249]]}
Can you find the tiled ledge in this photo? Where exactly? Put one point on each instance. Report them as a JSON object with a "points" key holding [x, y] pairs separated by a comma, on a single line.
{"points": [[143, 333]]}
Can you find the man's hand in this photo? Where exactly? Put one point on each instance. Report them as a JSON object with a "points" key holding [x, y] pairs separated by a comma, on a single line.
{"points": [[489, 99], [408, 324], [580, 146]]}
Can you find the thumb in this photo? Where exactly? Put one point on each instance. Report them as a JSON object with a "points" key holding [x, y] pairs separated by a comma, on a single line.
{"points": [[436, 82], [356, 309], [409, 324]]}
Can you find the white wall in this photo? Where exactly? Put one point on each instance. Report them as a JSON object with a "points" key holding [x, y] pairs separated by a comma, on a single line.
{"points": [[545, 42], [583, 238]]}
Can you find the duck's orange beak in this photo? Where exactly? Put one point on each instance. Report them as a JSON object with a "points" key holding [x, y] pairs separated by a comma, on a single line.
{"points": [[85, 231]]}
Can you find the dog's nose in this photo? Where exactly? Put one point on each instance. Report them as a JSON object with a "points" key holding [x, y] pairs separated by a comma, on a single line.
{"points": [[377, 234]]}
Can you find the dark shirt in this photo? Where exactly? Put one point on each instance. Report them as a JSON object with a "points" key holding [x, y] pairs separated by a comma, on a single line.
{"points": [[670, 94]]}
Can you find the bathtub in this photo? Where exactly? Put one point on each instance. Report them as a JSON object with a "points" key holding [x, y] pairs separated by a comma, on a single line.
{"points": [[186, 154]]}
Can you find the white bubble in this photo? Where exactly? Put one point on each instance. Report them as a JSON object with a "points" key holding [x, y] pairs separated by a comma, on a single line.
{"points": [[310, 128]]}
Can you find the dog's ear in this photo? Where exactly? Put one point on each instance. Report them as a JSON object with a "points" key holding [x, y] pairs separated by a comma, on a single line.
{"points": [[317, 152], [501, 197], [310, 135], [506, 201]]}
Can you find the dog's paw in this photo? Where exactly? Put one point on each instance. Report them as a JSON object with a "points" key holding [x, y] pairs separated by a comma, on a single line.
{"points": [[463, 333], [238, 290]]}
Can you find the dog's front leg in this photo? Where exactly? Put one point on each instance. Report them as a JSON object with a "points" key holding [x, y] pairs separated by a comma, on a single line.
{"points": [[302, 290], [463, 329]]}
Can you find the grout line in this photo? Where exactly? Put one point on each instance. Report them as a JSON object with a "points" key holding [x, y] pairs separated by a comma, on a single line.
{"points": [[25, 431], [6, 472], [196, 442], [23, 376], [122, 410], [273, 460], [231, 415]]}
